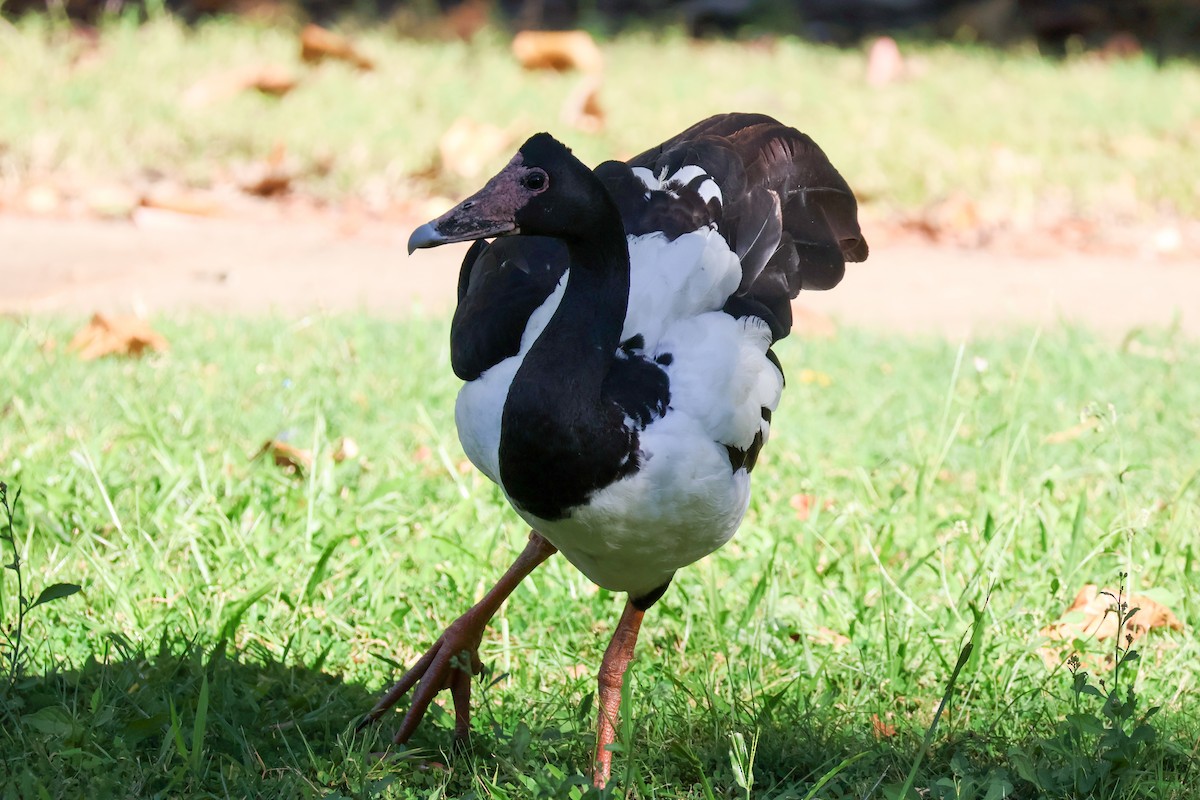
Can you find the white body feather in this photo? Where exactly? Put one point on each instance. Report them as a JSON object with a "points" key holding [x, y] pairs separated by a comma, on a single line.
{"points": [[685, 501]]}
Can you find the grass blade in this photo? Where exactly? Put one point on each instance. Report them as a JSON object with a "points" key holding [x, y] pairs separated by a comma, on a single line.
{"points": [[199, 725], [963, 657]]}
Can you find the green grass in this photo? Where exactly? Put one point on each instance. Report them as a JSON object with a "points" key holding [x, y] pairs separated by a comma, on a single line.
{"points": [[235, 620], [1019, 134]]}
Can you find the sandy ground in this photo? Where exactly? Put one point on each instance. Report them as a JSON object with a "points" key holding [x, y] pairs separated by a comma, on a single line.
{"points": [[169, 263]]}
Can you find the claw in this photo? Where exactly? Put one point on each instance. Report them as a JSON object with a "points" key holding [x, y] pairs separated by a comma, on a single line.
{"points": [[444, 667], [463, 636]]}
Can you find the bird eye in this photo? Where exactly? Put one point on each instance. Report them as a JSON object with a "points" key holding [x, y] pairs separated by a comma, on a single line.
{"points": [[534, 181]]}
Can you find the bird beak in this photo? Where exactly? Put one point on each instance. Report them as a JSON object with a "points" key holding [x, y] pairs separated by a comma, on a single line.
{"points": [[489, 212]]}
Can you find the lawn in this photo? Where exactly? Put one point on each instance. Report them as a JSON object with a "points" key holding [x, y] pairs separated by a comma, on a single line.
{"points": [[917, 497], [1022, 136]]}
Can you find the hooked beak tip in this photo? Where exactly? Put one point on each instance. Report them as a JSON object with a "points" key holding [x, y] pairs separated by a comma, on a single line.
{"points": [[425, 236]]}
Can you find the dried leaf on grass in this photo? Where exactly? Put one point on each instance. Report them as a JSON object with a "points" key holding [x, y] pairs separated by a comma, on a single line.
{"points": [[954, 215], [269, 177], [318, 44], [803, 505], [881, 728], [954, 219], [1073, 432], [186, 202], [581, 109], [287, 457], [830, 638], [467, 147], [269, 79], [558, 50], [116, 336], [825, 637], [1093, 616]]}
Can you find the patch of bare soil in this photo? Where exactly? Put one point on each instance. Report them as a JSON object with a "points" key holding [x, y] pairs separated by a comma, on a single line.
{"points": [[169, 263]]}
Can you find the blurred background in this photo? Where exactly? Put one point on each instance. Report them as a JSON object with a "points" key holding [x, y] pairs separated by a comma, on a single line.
{"points": [[1164, 27], [1000, 134]]}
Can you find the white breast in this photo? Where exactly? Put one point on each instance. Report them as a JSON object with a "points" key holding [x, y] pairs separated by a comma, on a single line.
{"points": [[685, 501]]}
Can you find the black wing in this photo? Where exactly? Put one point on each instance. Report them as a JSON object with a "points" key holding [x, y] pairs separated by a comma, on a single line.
{"points": [[786, 212], [499, 285]]}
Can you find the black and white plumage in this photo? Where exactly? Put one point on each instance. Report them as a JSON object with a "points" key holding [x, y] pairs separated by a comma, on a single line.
{"points": [[724, 223], [615, 342]]}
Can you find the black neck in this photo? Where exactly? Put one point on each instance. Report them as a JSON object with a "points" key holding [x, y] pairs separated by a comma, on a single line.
{"points": [[559, 439]]}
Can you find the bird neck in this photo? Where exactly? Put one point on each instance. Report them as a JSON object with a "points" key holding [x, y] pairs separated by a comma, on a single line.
{"points": [[559, 439], [585, 330]]}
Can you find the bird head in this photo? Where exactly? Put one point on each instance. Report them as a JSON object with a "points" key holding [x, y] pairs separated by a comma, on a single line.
{"points": [[543, 191]]}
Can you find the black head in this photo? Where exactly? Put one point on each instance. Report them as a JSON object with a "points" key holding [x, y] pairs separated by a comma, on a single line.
{"points": [[543, 191]]}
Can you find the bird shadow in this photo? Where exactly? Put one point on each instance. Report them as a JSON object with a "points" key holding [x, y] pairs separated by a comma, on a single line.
{"points": [[182, 720], [179, 719], [185, 720]]}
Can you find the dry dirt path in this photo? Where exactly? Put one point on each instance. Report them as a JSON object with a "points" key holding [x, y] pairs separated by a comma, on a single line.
{"points": [[174, 264]]}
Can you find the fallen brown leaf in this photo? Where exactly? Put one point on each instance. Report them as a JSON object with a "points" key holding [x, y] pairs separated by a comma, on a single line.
{"points": [[467, 147], [116, 336], [1093, 616], [318, 44], [1073, 432], [558, 50], [270, 177], [954, 215], [832, 638], [823, 636], [803, 505], [188, 202], [882, 729], [581, 109], [289, 458], [269, 79]]}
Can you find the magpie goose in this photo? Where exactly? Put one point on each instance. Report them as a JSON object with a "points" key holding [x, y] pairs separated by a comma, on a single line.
{"points": [[614, 336]]}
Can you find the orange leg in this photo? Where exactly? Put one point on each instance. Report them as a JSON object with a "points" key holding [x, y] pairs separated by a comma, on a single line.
{"points": [[612, 675], [454, 657]]}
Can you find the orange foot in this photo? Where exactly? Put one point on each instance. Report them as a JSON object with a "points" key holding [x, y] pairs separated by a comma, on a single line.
{"points": [[454, 657]]}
